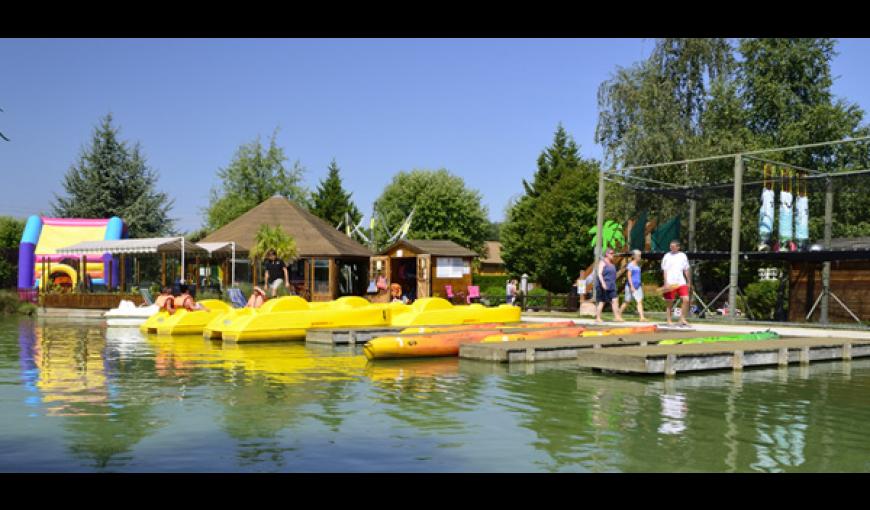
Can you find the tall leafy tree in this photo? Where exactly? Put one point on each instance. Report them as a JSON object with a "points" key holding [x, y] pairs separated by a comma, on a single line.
{"points": [[545, 233], [255, 174], [112, 179], [444, 208], [331, 201]]}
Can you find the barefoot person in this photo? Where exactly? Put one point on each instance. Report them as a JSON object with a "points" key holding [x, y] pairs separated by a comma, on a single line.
{"points": [[633, 289], [677, 277], [276, 272], [605, 286], [258, 297], [186, 301]]}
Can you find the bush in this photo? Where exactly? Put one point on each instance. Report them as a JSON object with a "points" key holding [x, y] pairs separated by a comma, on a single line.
{"points": [[762, 298], [488, 282], [10, 304], [651, 303]]}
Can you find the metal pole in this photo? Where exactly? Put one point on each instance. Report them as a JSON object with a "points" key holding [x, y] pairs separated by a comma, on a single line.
{"points": [[182, 260], [826, 266], [600, 237], [735, 234], [234, 265]]}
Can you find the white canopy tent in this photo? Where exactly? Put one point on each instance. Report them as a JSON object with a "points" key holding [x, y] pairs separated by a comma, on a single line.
{"points": [[161, 245]]}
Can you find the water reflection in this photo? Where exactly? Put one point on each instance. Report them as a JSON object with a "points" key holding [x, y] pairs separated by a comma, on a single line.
{"points": [[121, 398], [68, 367]]}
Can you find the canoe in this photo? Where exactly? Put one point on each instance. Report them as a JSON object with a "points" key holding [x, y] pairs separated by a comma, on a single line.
{"points": [[574, 332], [432, 344], [185, 322], [758, 335], [127, 314], [440, 312], [419, 330], [290, 318]]}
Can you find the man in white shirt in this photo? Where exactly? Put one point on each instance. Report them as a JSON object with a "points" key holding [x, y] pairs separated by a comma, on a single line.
{"points": [[678, 278]]}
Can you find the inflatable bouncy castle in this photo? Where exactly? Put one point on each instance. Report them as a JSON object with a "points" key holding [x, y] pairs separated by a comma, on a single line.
{"points": [[42, 238]]}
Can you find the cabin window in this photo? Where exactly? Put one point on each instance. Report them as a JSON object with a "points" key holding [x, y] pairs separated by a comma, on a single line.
{"points": [[321, 276]]}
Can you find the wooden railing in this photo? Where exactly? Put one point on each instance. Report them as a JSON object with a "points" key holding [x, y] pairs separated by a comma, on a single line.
{"points": [[87, 300]]}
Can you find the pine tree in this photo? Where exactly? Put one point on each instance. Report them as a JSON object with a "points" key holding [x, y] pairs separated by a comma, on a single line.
{"points": [[331, 202], [112, 179]]}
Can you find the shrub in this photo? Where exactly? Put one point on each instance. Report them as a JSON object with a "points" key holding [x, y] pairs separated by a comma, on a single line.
{"points": [[10, 304], [762, 298], [651, 303], [488, 282]]}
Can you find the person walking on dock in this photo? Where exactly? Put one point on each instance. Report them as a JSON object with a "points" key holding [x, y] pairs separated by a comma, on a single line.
{"points": [[605, 286], [678, 279], [633, 288]]}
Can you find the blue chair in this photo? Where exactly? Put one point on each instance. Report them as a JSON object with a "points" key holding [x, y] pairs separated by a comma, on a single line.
{"points": [[237, 298], [146, 295]]}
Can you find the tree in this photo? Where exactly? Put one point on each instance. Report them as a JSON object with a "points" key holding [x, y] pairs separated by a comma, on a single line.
{"points": [[112, 179], [273, 238], [331, 202], [255, 174], [443, 209], [777, 93], [545, 233], [11, 230], [493, 231]]}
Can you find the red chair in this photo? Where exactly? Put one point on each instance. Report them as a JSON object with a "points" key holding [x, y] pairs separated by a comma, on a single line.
{"points": [[473, 293]]}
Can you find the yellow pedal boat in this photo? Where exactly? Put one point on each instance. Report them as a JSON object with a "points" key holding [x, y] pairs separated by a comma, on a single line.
{"points": [[185, 322], [440, 312], [290, 318]]}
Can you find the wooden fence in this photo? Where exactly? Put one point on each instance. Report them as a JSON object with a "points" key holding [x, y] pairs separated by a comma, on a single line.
{"points": [[88, 301]]}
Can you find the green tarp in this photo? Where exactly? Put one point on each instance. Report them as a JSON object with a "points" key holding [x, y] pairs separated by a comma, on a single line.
{"points": [[636, 236], [667, 232]]}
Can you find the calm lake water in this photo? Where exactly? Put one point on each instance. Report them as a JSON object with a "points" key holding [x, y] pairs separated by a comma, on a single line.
{"points": [[81, 397]]}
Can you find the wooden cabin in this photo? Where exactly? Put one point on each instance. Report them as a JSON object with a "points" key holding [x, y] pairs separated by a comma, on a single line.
{"points": [[850, 281], [492, 264], [329, 264], [423, 268]]}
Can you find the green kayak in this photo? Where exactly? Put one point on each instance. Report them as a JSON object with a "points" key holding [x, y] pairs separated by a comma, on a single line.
{"points": [[759, 335]]}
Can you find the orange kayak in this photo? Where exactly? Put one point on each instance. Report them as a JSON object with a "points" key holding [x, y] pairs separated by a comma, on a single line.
{"points": [[492, 326], [566, 333], [433, 344]]}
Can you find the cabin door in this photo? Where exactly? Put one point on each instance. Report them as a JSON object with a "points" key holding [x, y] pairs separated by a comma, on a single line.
{"points": [[424, 272], [380, 266]]}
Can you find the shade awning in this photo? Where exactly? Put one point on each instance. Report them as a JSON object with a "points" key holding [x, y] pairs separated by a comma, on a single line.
{"points": [[147, 245], [222, 248]]}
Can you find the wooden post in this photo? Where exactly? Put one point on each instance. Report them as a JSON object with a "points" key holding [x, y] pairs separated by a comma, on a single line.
{"points": [[735, 233], [138, 275], [123, 269], [163, 271], [599, 238], [826, 266], [107, 275], [85, 272]]}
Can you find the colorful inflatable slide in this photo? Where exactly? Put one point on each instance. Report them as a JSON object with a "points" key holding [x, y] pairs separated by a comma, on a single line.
{"points": [[44, 236]]}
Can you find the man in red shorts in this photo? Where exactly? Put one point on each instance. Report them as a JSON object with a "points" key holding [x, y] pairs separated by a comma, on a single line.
{"points": [[677, 277]]}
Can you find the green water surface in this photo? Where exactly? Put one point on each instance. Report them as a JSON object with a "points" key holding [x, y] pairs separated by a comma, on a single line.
{"points": [[81, 397]]}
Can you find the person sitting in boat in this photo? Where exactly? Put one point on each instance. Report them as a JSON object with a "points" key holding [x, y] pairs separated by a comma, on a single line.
{"points": [[186, 301], [258, 297], [166, 301], [396, 295]]}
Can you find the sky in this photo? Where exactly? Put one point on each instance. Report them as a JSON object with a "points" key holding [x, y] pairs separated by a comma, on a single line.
{"points": [[481, 108]]}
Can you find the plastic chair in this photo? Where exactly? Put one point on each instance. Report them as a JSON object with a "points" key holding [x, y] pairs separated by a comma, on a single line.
{"points": [[237, 298], [449, 290], [146, 295], [473, 293]]}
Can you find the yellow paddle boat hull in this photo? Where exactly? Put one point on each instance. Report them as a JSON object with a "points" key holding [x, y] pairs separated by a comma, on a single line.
{"points": [[440, 312], [290, 320], [185, 322]]}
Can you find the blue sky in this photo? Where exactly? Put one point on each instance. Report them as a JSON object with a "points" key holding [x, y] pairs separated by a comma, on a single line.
{"points": [[481, 108]]}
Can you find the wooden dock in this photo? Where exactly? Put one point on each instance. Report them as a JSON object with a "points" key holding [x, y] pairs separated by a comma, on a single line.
{"points": [[348, 336], [670, 359], [562, 348]]}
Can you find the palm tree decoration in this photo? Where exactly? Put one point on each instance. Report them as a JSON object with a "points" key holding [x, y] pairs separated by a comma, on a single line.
{"points": [[613, 237], [273, 238]]}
